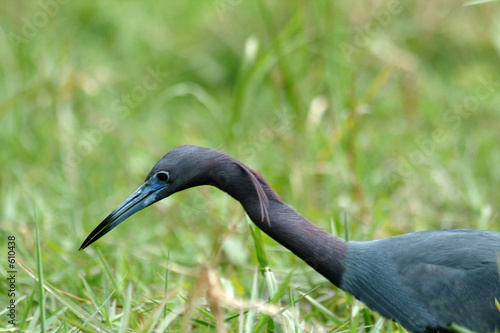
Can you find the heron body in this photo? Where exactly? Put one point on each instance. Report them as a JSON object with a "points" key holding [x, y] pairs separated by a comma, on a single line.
{"points": [[429, 279], [425, 280]]}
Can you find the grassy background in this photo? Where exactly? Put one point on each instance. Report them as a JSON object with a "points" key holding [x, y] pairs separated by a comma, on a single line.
{"points": [[382, 116]]}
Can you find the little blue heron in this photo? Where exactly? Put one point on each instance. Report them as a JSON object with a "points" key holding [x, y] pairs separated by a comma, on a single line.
{"points": [[424, 280]]}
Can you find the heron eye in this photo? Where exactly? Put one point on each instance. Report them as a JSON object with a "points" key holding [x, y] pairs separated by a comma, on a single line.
{"points": [[163, 176]]}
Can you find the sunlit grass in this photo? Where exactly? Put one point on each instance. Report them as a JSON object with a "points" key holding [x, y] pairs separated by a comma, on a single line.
{"points": [[93, 97]]}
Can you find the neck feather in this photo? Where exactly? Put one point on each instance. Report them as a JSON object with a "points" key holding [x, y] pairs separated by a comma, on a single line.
{"points": [[319, 249]]}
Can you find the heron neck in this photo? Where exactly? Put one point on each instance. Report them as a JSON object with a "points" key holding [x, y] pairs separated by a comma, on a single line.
{"points": [[319, 249]]}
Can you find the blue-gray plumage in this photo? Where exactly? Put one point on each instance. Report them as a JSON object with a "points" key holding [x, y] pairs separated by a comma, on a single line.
{"points": [[428, 279], [424, 280]]}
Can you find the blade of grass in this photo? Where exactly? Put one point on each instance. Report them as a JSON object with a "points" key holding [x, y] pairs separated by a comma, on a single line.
{"points": [[165, 287], [272, 285], [264, 320], [206, 313], [174, 313], [98, 310], [34, 320], [154, 319], [285, 284], [323, 310], [378, 325], [61, 296], [478, 2], [124, 323], [354, 323], [259, 248], [52, 320], [377, 84], [254, 295], [107, 269], [105, 312], [24, 317], [41, 297], [83, 326]]}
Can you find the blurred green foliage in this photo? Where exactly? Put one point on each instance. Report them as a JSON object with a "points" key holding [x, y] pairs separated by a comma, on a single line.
{"points": [[380, 114]]}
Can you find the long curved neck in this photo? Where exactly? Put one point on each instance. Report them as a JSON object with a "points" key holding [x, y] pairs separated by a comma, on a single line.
{"points": [[319, 249]]}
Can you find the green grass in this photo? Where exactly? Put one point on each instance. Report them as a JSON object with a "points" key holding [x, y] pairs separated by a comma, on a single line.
{"points": [[370, 120]]}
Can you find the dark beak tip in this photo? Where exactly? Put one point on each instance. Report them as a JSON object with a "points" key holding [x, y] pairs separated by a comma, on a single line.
{"points": [[130, 206], [82, 247]]}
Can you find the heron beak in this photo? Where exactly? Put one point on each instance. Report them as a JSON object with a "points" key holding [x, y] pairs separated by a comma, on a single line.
{"points": [[140, 199]]}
